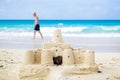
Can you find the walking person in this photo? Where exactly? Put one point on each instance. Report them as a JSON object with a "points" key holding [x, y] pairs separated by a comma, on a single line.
{"points": [[36, 26]]}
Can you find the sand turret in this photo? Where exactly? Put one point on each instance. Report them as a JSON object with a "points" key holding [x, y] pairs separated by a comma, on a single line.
{"points": [[90, 58], [29, 57], [79, 56], [37, 56], [57, 36], [46, 57], [68, 57]]}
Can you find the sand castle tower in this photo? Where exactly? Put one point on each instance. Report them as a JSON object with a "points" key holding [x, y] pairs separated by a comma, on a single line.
{"points": [[68, 57], [29, 57], [57, 51], [57, 36], [90, 58], [37, 56], [79, 56], [46, 57]]}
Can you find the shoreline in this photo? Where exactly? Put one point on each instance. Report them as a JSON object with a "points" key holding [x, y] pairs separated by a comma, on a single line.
{"points": [[98, 44], [65, 34]]}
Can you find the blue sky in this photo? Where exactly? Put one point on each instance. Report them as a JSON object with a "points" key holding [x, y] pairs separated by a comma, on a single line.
{"points": [[60, 9]]}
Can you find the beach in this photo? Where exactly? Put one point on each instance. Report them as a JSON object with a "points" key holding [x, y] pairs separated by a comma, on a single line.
{"points": [[106, 56], [59, 40], [10, 61], [15, 40]]}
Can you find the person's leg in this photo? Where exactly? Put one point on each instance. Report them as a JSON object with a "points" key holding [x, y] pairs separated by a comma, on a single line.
{"points": [[41, 34], [34, 34]]}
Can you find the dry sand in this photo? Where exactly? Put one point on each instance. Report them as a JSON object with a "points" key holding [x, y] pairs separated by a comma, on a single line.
{"points": [[109, 67]]}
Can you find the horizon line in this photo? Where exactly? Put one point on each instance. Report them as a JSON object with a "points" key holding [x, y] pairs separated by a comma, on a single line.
{"points": [[61, 19]]}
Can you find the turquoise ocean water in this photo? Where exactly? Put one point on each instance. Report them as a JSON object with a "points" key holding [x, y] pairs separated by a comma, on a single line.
{"points": [[68, 27], [104, 35]]}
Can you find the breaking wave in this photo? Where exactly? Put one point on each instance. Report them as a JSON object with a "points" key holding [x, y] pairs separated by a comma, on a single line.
{"points": [[74, 31], [115, 28]]}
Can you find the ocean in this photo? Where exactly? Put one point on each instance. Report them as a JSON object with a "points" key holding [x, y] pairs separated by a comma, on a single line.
{"points": [[98, 35], [87, 28]]}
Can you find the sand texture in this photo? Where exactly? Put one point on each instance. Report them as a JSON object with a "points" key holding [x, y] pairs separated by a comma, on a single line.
{"points": [[10, 63]]}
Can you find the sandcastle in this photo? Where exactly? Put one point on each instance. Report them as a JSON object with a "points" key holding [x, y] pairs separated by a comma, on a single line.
{"points": [[57, 53]]}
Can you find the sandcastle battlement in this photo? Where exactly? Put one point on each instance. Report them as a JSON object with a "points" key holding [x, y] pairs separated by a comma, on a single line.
{"points": [[57, 52], [45, 56]]}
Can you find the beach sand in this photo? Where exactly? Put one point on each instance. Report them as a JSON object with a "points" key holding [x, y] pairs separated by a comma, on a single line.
{"points": [[109, 67], [99, 44], [107, 56]]}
